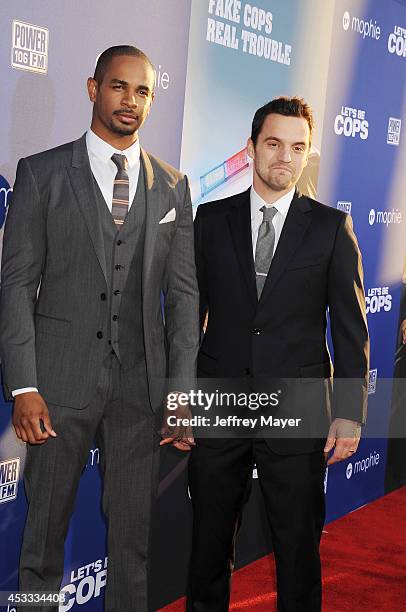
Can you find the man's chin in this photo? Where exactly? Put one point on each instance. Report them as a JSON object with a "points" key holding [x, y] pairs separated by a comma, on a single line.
{"points": [[123, 130]]}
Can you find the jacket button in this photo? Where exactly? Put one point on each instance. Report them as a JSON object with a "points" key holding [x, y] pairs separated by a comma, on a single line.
{"points": [[119, 242], [117, 292], [102, 297], [114, 317], [117, 267], [257, 331], [99, 335], [247, 371]]}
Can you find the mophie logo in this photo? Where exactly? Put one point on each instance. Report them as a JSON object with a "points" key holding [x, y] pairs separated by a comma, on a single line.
{"points": [[367, 29], [29, 50]]}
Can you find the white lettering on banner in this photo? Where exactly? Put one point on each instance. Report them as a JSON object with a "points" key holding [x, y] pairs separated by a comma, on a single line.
{"points": [[363, 465], [29, 47], [9, 477], [378, 298], [344, 206], [255, 42], [90, 579], [394, 127], [397, 42], [385, 217], [351, 122], [373, 376], [367, 29]]}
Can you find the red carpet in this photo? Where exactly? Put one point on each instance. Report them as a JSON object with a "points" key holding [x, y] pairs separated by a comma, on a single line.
{"points": [[364, 564]]}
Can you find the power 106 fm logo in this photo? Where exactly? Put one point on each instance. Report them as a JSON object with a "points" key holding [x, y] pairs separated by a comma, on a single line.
{"points": [[29, 50], [352, 123], [86, 582], [9, 477]]}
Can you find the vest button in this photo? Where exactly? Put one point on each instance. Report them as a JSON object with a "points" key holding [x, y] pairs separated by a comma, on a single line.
{"points": [[117, 292], [119, 242], [247, 371], [117, 266], [99, 335], [102, 297], [257, 331], [114, 317]]}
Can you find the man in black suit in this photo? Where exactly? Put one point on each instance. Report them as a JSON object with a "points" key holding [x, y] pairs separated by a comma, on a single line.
{"points": [[270, 262]]}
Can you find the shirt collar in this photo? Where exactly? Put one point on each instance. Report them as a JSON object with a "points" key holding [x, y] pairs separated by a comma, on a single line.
{"points": [[282, 205], [103, 150]]}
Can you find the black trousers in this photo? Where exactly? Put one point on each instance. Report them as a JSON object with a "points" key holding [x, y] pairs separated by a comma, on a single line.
{"points": [[125, 430], [293, 490]]}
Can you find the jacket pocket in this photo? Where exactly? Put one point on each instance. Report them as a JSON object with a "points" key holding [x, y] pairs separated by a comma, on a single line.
{"points": [[45, 324]]}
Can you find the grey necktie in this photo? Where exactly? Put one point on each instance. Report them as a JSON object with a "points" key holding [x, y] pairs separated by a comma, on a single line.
{"points": [[121, 189], [265, 246]]}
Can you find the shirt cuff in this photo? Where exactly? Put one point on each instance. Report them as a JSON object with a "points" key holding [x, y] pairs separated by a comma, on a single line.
{"points": [[24, 390]]}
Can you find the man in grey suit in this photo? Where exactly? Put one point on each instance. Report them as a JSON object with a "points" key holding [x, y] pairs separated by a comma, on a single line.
{"points": [[98, 230]]}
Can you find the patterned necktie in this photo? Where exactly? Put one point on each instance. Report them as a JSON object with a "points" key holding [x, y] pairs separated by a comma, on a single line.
{"points": [[264, 248], [121, 189]]}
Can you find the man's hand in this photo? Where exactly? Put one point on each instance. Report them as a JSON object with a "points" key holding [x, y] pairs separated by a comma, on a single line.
{"points": [[403, 331], [180, 435], [29, 410], [344, 435]]}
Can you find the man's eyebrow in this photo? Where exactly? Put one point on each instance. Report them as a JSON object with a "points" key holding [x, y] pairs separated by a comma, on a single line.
{"points": [[121, 82], [294, 144]]}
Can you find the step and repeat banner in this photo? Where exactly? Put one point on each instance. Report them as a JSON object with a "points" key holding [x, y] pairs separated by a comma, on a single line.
{"points": [[217, 61]]}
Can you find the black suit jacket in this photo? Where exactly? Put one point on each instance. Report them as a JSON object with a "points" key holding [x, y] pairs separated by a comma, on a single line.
{"points": [[316, 266]]}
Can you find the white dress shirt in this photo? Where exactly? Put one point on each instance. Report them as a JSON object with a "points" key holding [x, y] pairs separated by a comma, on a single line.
{"points": [[282, 205], [104, 171]]}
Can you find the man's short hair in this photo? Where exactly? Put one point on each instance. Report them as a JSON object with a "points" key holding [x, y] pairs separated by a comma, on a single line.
{"points": [[290, 107], [119, 50]]}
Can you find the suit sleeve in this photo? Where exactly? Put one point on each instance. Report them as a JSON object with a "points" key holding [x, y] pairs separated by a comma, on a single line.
{"points": [[182, 300], [24, 248], [346, 299], [201, 270]]}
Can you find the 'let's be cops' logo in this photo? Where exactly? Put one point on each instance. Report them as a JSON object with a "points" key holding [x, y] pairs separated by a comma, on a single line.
{"points": [[351, 122]]}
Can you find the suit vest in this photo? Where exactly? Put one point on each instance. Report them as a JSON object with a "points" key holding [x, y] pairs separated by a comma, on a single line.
{"points": [[123, 250]]}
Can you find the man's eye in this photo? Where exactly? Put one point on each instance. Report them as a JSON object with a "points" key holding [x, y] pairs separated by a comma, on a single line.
{"points": [[298, 149], [117, 87], [143, 92]]}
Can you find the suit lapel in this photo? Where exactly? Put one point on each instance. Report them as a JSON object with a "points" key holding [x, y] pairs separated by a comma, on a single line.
{"points": [[154, 199], [82, 182], [239, 220], [297, 221]]}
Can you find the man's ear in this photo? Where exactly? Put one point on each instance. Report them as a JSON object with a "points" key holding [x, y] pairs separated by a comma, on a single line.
{"points": [[92, 89], [250, 148]]}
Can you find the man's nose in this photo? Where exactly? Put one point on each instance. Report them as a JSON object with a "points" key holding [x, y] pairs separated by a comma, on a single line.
{"points": [[284, 154], [130, 100]]}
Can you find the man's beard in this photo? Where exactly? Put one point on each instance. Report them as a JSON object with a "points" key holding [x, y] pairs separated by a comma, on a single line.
{"points": [[123, 130]]}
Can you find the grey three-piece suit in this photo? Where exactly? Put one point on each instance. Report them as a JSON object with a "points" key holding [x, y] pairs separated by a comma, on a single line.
{"points": [[81, 319]]}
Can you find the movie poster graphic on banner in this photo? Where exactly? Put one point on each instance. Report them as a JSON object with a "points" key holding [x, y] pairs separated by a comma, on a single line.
{"points": [[351, 122]]}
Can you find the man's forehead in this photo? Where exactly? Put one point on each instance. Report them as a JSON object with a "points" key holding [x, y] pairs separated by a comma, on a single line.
{"points": [[130, 66], [282, 125]]}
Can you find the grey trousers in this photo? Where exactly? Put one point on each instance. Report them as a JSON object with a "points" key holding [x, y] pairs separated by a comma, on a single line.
{"points": [[125, 430]]}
